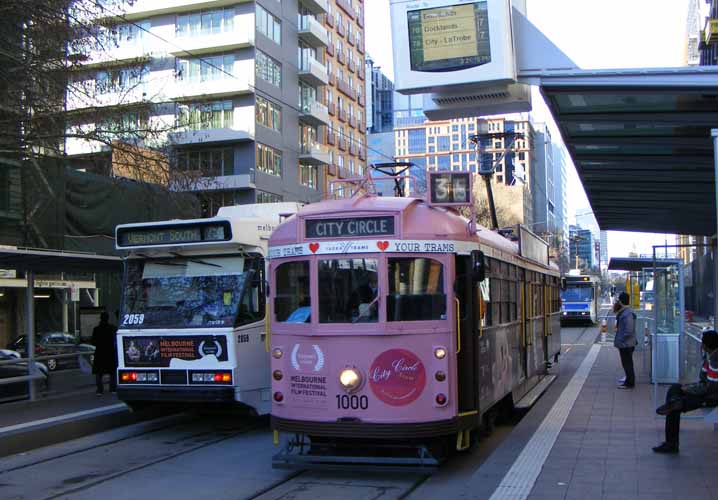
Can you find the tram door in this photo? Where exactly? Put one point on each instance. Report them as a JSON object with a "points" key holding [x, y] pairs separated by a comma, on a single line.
{"points": [[525, 323], [467, 336]]}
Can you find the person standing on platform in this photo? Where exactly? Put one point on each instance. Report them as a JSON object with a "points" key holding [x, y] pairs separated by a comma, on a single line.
{"points": [[104, 338], [683, 398], [625, 340]]}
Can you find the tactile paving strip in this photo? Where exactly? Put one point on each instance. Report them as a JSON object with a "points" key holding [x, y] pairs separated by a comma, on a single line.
{"points": [[519, 480]]}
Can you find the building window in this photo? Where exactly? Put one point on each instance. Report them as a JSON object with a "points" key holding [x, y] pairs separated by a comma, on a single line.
{"points": [[432, 139], [432, 149], [269, 160], [208, 68], [268, 69], [209, 22], [444, 162], [308, 175], [522, 156], [268, 25], [454, 128], [264, 197], [119, 80], [206, 162], [444, 143], [206, 115], [456, 158], [417, 141], [269, 114], [128, 35]]}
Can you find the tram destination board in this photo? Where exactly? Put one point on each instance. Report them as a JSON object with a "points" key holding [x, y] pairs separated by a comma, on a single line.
{"points": [[202, 232], [449, 38], [355, 227]]}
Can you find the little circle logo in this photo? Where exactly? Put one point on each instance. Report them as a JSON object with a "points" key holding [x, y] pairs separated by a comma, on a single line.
{"points": [[397, 377], [307, 360]]}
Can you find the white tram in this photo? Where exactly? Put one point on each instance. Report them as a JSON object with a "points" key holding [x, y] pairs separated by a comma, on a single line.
{"points": [[191, 328]]}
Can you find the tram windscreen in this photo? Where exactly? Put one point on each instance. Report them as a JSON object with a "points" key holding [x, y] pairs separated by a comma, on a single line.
{"points": [[577, 294], [416, 290], [191, 292], [348, 291]]}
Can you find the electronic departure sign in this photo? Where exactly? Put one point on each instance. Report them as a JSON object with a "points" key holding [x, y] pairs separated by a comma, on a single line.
{"points": [[449, 38], [450, 188], [175, 234], [355, 227]]}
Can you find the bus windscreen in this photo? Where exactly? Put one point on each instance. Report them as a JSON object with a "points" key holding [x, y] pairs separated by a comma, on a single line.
{"points": [[577, 294]]}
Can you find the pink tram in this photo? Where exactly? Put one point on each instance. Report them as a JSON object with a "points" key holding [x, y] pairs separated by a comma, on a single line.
{"points": [[397, 327]]}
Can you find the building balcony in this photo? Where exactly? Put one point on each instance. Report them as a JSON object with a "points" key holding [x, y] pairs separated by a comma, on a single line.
{"points": [[342, 115], [342, 144], [353, 149], [362, 154], [352, 122], [314, 154], [360, 98], [341, 57], [128, 55], [329, 20], [209, 136], [314, 113], [360, 45], [332, 108], [191, 181], [331, 138], [350, 39], [317, 7], [360, 73], [312, 32], [226, 87], [711, 31], [332, 79], [79, 99], [351, 66], [241, 37], [345, 89], [313, 72], [341, 30], [330, 47], [141, 9]]}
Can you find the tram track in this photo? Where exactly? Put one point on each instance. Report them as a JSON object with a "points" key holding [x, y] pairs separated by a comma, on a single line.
{"points": [[86, 467]]}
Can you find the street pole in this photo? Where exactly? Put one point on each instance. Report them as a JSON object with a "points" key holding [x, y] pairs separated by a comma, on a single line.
{"points": [[714, 133], [30, 331]]}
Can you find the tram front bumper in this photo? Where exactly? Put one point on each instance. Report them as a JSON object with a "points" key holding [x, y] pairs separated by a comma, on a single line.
{"points": [[177, 394]]}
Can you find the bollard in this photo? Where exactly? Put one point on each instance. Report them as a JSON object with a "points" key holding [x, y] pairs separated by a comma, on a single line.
{"points": [[604, 328]]}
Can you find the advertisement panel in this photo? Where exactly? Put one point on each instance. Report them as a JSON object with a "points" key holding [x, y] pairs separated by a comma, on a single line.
{"points": [[160, 351]]}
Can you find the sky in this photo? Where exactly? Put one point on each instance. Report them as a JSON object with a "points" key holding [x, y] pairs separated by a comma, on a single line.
{"points": [[595, 35]]}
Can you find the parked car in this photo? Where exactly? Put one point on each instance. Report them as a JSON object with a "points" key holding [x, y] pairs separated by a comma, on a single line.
{"points": [[15, 390], [55, 343]]}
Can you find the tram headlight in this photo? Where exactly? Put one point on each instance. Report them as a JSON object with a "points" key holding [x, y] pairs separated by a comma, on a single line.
{"points": [[440, 353], [350, 379], [277, 353]]}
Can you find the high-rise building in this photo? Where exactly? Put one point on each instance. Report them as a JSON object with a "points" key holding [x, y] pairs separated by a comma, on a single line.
{"points": [[604, 250], [582, 249], [262, 101], [445, 145], [708, 38], [562, 224], [544, 190], [693, 32], [380, 100]]}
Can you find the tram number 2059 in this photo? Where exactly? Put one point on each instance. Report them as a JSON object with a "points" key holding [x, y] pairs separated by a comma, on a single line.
{"points": [[354, 402]]}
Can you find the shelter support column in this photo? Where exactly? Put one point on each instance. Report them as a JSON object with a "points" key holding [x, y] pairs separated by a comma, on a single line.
{"points": [[714, 246], [30, 331]]}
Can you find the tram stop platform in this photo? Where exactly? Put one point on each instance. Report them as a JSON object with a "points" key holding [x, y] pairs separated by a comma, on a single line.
{"points": [[26, 425]]}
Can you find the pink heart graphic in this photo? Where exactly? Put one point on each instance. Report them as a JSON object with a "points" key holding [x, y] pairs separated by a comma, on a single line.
{"points": [[382, 245], [313, 247]]}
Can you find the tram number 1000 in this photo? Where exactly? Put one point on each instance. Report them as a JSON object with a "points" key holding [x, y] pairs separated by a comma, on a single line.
{"points": [[353, 402]]}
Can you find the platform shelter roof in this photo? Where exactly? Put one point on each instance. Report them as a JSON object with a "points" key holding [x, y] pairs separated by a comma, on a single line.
{"points": [[641, 142]]}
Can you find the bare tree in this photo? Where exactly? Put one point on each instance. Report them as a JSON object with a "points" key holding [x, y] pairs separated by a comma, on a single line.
{"points": [[57, 91]]}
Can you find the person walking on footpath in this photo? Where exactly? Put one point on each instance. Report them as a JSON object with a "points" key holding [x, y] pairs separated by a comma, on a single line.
{"points": [[683, 398], [104, 338], [625, 340]]}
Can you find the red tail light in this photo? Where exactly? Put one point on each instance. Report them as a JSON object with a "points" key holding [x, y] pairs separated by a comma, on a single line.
{"points": [[217, 377], [133, 376]]}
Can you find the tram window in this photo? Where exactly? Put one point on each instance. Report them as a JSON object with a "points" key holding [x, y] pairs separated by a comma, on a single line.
{"points": [[348, 291], [292, 300], [483, 304], [251, 307], [416, 290]]}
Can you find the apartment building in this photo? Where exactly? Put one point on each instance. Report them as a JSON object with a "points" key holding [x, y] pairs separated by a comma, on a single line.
{"points": [[255, 101], [345, 93]]}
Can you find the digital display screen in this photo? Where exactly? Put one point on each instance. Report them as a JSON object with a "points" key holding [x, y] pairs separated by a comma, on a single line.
{"points": [[449, 38], [169, 235], [449, 188], [354, 227]]}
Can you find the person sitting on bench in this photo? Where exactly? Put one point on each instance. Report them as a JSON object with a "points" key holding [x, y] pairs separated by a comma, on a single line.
{"points": [[684, 398]]}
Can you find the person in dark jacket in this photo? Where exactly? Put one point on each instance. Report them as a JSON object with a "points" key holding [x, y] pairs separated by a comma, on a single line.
{"points": [[625, 340], [104, 338], [683, 398]]}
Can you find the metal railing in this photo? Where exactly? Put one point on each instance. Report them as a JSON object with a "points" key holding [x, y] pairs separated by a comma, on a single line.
{"points": [[32, 369]]}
